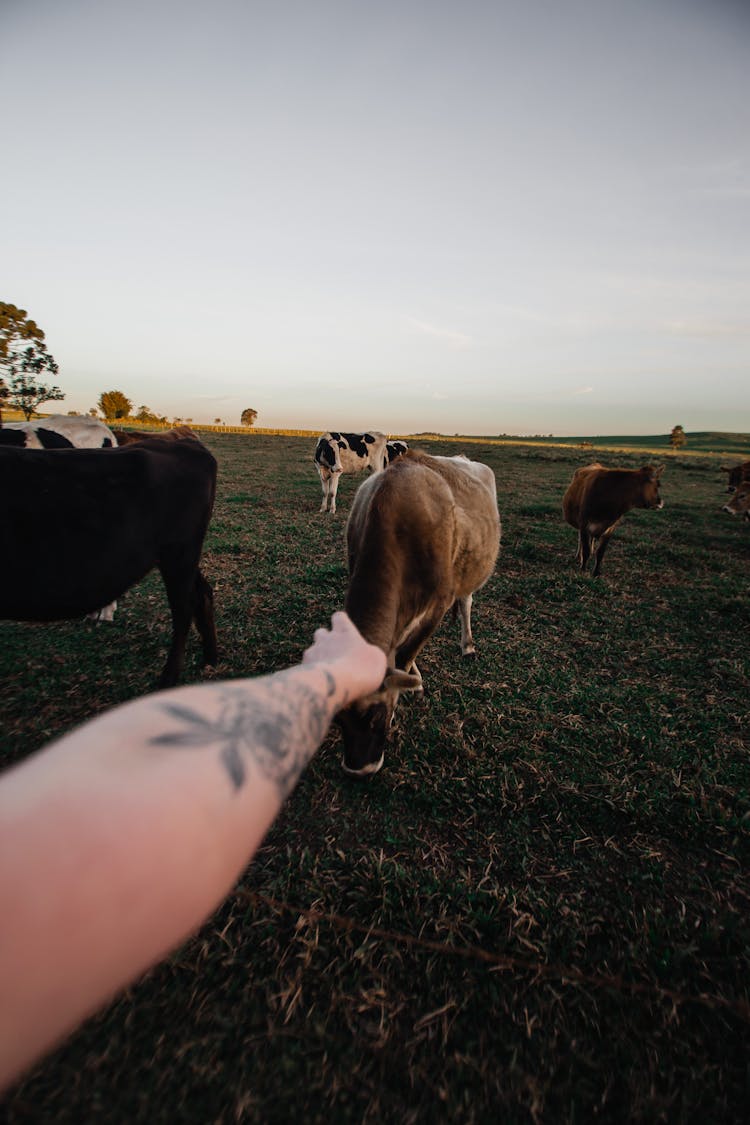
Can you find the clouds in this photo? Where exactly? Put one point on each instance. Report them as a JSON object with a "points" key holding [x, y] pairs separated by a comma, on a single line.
{"points": [[447, 336]]}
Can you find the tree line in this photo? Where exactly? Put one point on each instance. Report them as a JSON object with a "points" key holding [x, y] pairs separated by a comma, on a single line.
{"points": [[25, 361]]}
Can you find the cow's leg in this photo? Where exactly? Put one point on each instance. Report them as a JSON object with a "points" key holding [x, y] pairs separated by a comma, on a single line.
{"points": [[203, 615], [409, 649], [585, 539], [179, 582], [464, 613], [579, 552], [333, 488], [325, 485], [600, 549]]}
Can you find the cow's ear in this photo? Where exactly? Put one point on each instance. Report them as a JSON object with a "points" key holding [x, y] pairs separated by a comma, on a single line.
{"points": [[658, 471], [396, 680]]}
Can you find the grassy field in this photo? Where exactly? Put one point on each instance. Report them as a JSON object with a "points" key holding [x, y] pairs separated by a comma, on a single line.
{"points": [[539, 911]]}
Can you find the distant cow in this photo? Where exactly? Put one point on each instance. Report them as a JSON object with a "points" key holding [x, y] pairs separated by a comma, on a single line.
{"points": [[177, 433], [737, 474], [739, 505], [82, 526], [338, 453], [59, 431], [598, 498], [421, 537], [394, 449]]}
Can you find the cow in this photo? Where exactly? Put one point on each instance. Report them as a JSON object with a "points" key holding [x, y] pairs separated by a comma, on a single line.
{"points": [[59, 431], [596, 500], [737, 474], [393, 450], [338, 453], [62, 431], [421, 537], [177, 433], [82, 526], [739, 505]]}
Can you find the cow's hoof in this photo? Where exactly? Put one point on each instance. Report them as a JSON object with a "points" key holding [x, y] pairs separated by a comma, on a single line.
{"points": [[470, 653]]}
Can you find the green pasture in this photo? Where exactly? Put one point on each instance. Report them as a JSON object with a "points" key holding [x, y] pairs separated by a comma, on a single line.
{"points": [[539, 911]]}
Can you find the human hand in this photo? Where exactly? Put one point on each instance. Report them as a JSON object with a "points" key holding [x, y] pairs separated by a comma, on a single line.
{"points": [[357, 666]]}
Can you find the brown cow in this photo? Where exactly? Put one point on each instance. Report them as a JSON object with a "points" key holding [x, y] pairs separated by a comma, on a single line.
{"points": [[422, 536], [177, 433], [596, 500], [737, 474], [739, 505]]}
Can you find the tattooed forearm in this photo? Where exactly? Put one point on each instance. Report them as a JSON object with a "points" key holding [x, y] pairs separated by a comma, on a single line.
{"points": [[278, 725]]}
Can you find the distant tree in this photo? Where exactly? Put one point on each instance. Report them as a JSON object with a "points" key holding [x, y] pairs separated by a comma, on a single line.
{"points": [[114, 405], [93, 412], [218, 422], [24, 359], [146, 414], [248, 417], [677, 438]]}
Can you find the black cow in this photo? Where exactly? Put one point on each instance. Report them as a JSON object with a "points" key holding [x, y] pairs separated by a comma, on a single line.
{"points": [[81, 527]]}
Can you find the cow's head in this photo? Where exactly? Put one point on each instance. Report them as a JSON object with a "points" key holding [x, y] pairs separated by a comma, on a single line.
{"points": [[394, 450], [650, 497], [739, 505], [736, 474], [365, 724], [327, 453]]}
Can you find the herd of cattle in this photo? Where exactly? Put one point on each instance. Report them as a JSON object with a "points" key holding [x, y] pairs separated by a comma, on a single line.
{"points": [[83, 525]]}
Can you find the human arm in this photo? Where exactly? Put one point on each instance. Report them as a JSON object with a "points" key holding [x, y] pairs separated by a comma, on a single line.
{"points": [[119, 839]]}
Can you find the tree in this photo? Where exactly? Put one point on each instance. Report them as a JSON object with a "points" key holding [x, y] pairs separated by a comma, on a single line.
{"points": [[23, 360], [677, 438], [114, 405], [146, 414], [248, 417]]}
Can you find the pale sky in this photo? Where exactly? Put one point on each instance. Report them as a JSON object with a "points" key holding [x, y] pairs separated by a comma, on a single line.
{"points": [[467, 216]]}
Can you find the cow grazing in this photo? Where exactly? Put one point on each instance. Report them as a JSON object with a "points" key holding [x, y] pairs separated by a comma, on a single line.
{"points": [[739, 505], [597, 499], [737, 474], [393, 450], [59, 431], [82, 526], [421, 537], [338, 453]]}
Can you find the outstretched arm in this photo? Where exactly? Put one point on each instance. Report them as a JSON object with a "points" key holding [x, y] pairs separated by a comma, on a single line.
{"points": [[118, 840]]}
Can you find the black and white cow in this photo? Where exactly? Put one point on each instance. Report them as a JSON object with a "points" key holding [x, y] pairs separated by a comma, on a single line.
{"points": [[393, 450], [59, 431], [338, 453]]}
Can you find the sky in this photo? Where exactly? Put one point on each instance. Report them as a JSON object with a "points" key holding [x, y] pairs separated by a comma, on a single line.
{"points": [[466, 217]]}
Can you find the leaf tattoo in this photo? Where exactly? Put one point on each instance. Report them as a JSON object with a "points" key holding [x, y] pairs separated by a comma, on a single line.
{"points": [[279, 731]]}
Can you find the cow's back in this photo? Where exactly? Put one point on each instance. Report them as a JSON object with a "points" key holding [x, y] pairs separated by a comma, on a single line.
{"points": [[81, 431], [434, 519]]}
